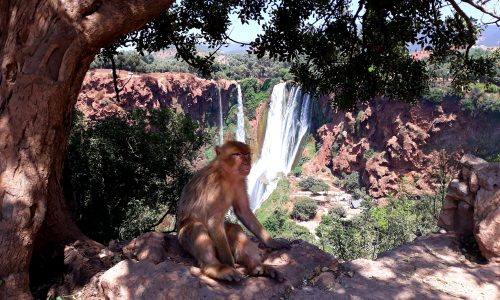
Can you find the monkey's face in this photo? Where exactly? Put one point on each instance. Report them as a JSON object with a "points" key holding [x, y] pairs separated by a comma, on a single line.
{"points": [[242, 162], [236, 158]]}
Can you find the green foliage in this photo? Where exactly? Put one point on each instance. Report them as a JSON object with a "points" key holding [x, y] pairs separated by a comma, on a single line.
{"points": [[477, 100], [337, 210], [335, 148], [276, 219], [304, 209], [378, 229], [314, 185], [369, 153], [275, 223], [278, 198], [124, 172], [253, 94], [351, 182], [279, 224], [494, 158], [309, 150], [354, 52], [435, 95]]}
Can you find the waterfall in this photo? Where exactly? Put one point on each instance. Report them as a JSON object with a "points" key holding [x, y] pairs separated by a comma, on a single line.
{"points": [[240, 121], [288, 121], [221, 123]]}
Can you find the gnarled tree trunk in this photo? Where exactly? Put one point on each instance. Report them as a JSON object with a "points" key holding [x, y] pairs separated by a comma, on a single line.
{"points": [[46, 48]]}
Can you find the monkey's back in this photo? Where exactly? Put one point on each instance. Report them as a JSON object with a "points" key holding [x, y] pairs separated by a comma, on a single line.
{"points": [[202, 191]]}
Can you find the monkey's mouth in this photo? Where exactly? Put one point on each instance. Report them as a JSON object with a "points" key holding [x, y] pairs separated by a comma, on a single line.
{"points": [[245, 170]]}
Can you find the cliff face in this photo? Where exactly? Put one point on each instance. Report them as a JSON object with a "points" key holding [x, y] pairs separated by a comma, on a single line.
{"points": [[196, 97], [389, 140]]}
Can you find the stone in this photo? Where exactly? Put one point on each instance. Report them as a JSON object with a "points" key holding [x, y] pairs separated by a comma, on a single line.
{"points": [[489, 176], [179, 278], [148, 246], [472, 162], [473, 182], [487, 223], [460, 190]]}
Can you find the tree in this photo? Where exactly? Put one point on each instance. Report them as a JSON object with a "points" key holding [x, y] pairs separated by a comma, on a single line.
{"points": [[47, 46]]}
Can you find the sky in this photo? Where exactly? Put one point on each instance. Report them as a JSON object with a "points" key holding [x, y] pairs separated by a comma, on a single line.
{"points": [[247, 33]]}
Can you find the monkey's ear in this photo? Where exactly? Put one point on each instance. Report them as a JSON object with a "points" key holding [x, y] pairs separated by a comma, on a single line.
{"points": [[217, 150]]}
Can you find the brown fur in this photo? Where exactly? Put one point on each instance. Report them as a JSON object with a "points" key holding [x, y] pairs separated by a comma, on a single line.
{"points": [[206, 198]]}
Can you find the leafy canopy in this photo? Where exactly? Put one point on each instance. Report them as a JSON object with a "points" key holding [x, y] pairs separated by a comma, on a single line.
{"points": [[125, 172], [353, 49]]}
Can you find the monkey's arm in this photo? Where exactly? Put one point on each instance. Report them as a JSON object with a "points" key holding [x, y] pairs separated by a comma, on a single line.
{"points": [[242, 210], [218, 235]]}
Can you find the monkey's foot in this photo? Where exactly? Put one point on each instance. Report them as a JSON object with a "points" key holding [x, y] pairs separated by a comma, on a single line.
{"points": [[222, 272], [267, 271]]}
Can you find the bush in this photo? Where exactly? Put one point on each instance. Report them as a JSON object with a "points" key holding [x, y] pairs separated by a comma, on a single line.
{"points": [[378, 229], [351, 182], [304, 209], [338, 210], [125, 172], [314, 185], [435, 95], [276, 200]]}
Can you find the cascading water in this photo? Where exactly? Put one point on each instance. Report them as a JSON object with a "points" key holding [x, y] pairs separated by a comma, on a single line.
{"points": [[221, 124], [240, 118], [288, 121]]}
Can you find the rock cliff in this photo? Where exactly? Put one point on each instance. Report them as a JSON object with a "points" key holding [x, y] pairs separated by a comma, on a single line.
{"points": [[472, 205], [186, 93], [389, 140], [154, 267]]}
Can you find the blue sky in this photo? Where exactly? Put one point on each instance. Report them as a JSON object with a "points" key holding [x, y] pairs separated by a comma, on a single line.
{"points": [[246, 33]]}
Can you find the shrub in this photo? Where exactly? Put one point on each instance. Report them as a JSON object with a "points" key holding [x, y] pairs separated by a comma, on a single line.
{"points": [[304, 209], [338, 210], [314, 185], [369, 153], [275, 223], [378, 229], [124, 172], [435, 95], [351, 182]]}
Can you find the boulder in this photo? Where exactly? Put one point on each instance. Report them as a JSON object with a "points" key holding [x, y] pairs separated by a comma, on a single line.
{"points": [[177, 277], [487, 223], [149, 246], [472, 205]]}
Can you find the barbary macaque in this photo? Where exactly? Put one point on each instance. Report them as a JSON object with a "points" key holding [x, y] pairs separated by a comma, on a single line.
{"points": [[217, 245]]}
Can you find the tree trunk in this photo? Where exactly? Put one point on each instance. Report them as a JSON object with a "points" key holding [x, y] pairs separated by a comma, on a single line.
{"points": [[46, 49]]}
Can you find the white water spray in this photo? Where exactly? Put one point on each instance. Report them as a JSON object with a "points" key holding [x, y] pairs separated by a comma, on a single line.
{"points": [[240, 121], [288, 121], [221, 123]]}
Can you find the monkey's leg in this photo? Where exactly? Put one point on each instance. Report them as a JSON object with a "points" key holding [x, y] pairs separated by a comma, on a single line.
{"points": [[246, 253], [194, 238]]}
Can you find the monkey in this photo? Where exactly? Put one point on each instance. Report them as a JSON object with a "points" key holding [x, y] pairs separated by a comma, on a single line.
{"points": [[202, 231]]}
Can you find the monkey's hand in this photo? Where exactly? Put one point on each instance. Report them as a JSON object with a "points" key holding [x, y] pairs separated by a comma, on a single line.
{"points": [[277, 244]]}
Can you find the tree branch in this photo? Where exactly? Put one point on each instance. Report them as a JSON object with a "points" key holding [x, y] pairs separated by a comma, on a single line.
{"points": [[467, 20], [103, 21], [483, 10]]}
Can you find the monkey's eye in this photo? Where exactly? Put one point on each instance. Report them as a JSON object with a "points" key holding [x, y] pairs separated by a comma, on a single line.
{"points": [[242, 155]]}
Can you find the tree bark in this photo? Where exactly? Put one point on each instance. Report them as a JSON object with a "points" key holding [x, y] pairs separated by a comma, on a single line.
{"points": [[46, 49]]}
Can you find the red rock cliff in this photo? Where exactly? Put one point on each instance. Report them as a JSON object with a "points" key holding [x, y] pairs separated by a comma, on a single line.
{"points": [[194, 96], [389, 140]]}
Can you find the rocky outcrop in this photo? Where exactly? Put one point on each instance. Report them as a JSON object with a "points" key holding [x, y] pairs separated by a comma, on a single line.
{"points": [[186, 93], [429, 268], [175, 275], [472, 205], [387, 141]]}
